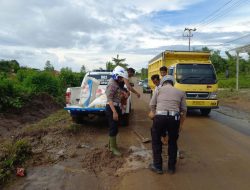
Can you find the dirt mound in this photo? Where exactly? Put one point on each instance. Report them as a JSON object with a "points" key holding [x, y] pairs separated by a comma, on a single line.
{"points": [[37, 108], [101, 159]]}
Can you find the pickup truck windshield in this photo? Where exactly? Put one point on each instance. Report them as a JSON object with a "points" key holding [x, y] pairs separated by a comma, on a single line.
{"points": [[195, 74], [103, 78]]}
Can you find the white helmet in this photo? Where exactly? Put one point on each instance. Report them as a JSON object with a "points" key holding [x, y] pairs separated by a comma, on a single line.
{"points": [[167, 78], [119, 72]]}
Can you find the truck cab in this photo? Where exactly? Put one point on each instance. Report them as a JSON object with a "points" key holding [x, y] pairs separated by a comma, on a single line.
{"points": [[199, 83], [194, 74]]}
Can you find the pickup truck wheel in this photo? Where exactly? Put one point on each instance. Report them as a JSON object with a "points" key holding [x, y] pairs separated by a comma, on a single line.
{"points": [[205, 111], [77, 119]]}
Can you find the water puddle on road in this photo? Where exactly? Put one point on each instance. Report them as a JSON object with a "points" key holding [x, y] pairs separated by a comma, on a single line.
{"points": [[139, 158]]}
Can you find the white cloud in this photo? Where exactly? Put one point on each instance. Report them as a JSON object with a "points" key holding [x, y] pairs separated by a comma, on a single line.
{"points": [[91, 32]]}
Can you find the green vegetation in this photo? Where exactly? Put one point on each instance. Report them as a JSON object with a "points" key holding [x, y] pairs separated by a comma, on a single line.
{"points": [[53, 121], [226, 69], [231, 95], [17, 83], [116, 62], [13, 155], [244, 82], [74, 128]]}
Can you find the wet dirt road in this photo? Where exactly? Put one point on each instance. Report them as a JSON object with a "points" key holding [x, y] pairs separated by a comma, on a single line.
{"points": [[216, 156]]}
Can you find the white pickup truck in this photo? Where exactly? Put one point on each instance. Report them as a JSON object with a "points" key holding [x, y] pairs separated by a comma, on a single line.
{"points": [[89, 100]]}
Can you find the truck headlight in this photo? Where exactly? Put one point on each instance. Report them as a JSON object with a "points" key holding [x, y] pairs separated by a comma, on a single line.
{"points": [[213, 95]]}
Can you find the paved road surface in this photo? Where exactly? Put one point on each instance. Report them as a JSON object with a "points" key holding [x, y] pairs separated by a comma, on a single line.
{"points": [[216, 150]]}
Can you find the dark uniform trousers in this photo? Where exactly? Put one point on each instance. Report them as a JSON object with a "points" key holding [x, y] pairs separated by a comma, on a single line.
{"points": [[161, 124], [113, 125]]}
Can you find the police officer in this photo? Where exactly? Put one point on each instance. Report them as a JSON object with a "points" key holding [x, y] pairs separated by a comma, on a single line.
{"points": [[113, 110], [169, 107], [156, 80]]}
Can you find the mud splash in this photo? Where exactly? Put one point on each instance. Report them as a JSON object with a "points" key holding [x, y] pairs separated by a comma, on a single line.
{"points": [[102, 160]]}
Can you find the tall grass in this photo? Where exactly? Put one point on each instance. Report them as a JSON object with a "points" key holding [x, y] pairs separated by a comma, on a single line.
{"points": [[244, 82]]}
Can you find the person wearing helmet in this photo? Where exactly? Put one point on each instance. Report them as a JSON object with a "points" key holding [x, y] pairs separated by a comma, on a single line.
{"points": [[128, 82], [169, 107], [113, 110]]}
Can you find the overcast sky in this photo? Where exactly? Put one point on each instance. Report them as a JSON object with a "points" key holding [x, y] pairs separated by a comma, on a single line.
{"points": [[72, 33]]}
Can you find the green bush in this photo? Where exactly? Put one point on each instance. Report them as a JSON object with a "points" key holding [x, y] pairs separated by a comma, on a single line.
{"points": [[10, 95], [15, 89], [244, 82], [14, 155], [43, 82], [24, 73], [69, 78]]}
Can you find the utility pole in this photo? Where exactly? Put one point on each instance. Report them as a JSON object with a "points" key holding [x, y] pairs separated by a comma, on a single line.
{"points": [[189, 35]]}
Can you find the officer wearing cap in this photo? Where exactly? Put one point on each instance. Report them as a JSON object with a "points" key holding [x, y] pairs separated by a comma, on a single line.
{"points": [[169, 107]]}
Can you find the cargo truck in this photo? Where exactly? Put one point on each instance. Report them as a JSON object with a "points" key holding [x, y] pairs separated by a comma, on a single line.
{"points": [[194, 74]]}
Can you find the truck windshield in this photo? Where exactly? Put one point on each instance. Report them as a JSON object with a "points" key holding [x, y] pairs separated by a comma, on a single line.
{"points": [[195, 74], [103, 78]]}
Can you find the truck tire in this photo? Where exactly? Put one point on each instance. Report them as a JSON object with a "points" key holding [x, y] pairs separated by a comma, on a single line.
{"points": [[78, 119], [205, 111]]}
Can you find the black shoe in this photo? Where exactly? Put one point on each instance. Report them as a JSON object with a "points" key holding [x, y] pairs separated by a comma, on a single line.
{"points": [[171, 171], [154, 169]]}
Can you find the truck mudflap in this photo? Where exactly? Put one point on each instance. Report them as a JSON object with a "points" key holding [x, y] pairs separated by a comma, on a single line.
{"points": [[202, 104]]}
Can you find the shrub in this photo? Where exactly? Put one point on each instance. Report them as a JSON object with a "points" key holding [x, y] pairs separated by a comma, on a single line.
{"points": [[244, 82], [69, 78], [14, 155], [10, 95], [43, 82]]}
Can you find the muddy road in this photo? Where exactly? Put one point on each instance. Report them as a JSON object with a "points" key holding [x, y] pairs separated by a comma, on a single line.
{"points": [[215, 148]]}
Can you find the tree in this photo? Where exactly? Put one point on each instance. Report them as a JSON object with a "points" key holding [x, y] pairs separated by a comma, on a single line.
{"points": [[120, 62], [109, 65], [144, 73], [205, 49], [11, 66], [219, 63], [48, 66], [69, 78], [83, 69]]}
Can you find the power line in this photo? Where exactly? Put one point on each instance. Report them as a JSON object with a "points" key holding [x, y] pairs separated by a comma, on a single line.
{"points": [[217, 10], [226, 11], [226, 8], [236, 39]]}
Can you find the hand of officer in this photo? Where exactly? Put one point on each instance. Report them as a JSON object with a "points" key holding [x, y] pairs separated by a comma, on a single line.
{"points": [[115, 116], [151, 115], [138, 95]]}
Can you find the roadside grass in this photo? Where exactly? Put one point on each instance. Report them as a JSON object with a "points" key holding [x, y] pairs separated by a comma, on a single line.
{"points": [[224, 94], [244, 82], [57, 120], [13, 155], [74, 128]]}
